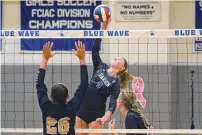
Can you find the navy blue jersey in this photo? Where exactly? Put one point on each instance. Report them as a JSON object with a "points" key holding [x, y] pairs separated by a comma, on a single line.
{"points": [[60, 118], [101, 85], [134, 121]]}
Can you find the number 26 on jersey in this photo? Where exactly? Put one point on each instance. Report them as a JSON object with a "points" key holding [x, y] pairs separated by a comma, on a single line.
{"points": [[63, 125]]}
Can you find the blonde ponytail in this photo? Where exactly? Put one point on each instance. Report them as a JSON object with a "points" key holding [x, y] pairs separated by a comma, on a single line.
{"points": [[124, 78]]}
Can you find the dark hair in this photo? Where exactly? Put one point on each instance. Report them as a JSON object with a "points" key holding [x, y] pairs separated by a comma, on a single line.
{"points": [[124, 76], [59, 93]]}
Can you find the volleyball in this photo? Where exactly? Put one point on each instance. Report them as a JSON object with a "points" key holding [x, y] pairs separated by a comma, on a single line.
{"points": [[102, 13]]}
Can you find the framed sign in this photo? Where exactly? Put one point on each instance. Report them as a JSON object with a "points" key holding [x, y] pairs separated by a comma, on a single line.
{"points": [[144, 11]]}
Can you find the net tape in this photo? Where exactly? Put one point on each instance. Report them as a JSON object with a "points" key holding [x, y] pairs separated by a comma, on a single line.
{"points": [[119, 131]]}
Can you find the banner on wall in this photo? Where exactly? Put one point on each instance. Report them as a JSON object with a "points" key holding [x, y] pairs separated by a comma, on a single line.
{"points": [[198, 25], [57, 15], [1, 21], [144, 11]]}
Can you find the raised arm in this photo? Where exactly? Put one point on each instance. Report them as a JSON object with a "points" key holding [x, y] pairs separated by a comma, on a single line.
{"points": [[95, 54], [40, 85], [96, 48], [82, 88]]}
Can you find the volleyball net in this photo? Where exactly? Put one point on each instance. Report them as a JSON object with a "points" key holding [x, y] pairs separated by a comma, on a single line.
{"points": [[164, 59]]}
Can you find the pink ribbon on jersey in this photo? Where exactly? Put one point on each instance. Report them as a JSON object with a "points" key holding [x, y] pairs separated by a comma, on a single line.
{"points": [[138, 88]]}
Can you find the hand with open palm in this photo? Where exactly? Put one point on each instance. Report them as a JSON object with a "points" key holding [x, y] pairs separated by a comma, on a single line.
{"points": [[80, 51], [47, 54]]}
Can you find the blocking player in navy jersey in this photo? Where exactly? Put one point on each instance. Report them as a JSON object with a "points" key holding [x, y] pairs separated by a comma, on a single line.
{"points": [[58, 114], [103, 84]]}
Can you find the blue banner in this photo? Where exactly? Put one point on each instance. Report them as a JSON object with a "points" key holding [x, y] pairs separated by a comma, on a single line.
{"points": [[1, 22], [198, 25], [57, 15]]}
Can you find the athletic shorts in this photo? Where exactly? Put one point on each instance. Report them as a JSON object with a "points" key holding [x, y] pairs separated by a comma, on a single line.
{"points": [[89, 115]]}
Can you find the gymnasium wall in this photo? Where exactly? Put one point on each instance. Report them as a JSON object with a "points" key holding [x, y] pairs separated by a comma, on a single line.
{"points": [[183, 59], [157, 65], [109, 50], [179, 19]]}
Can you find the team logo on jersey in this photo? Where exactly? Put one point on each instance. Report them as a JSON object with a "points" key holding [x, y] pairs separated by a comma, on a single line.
{"points": [[104, 79], [99, 85]]}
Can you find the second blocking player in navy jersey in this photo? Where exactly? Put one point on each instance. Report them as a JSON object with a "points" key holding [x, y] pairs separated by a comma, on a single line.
{"points": [[105, 82], [58, 114]]}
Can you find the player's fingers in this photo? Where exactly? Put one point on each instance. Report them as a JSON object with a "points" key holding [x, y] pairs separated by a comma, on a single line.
{"points": [[98, 120], [48, 44], [44, 46], [83, 46], [51, 45], [112, 121], [76, 45], [79, 44]]}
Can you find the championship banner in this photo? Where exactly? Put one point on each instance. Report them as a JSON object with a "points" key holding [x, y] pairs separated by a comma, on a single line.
{"points": [[144, 11], [1, 22], [57, 15], [198, 25]]}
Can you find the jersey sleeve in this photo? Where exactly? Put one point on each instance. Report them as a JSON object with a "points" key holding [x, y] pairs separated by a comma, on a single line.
{"points": [[41, 88], [114, 95], [82, 88], [96, 55]]}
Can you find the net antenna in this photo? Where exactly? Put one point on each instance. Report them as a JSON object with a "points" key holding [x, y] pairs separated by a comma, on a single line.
{"points": [[192, 102]]}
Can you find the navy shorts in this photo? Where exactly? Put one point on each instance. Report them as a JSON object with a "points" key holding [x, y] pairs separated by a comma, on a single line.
{"points": [[89, 115]]}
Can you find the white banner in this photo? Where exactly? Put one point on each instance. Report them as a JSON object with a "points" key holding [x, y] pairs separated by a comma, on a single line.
{"points": [[144, 11], [32, 34]]}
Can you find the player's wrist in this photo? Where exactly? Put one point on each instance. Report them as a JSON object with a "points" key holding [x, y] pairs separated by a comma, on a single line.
{"points": [[105, 118], [82, 61], [107, 115], [44, 63], [44, 59]]}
